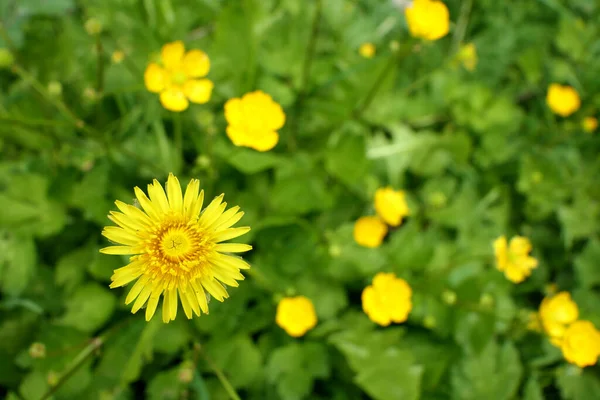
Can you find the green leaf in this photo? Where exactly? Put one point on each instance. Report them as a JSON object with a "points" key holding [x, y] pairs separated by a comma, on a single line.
{"points": [[54, 7], [90, 306], [70, 269], [577, 384], [533, 390], [239, 358], [172, 337], [141, 352], [346, 159], [18, 262], [89, 195], [494, 374], [165, 386], [248, 161], [586, 264]]}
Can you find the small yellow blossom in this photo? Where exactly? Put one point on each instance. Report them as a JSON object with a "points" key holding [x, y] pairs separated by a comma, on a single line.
{"points": [[590, 124], [391, 205], [296, 315], [514, 259], [427, 19], [581, 344], [467, 55], [117, 57], [387, 300], [562, 100], [93, 27], [367, 50], [369, 231], [176, 77], [253, 120], [556, 313]]}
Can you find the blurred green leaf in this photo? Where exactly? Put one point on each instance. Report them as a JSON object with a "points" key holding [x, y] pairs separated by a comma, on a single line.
{"points": [[577, 384], [18, 261], [90, 306]]}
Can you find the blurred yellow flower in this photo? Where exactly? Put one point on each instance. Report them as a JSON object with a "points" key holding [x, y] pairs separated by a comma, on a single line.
{"points": [[253, 120], [514, 259], [391, 205], [117, 57], [467, 55], [581, 344], [387, 300], [176, 77], [590, 124], [369, 231], [175, 250], [533, 322], [556, 313], [296, 315], [427, 19], [562, 100], [367, 50]]}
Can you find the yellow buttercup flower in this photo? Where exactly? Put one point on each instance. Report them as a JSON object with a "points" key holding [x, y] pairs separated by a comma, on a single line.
{"points": [[562, 100], [176, 251], [556, 313], [427, 19], [176, 77], [514, 259], [369, 231], [253, 120], [387, 300], [590, 124], [367, 50], [581, 344], [296, 315], [391, 205], [467, 55]]}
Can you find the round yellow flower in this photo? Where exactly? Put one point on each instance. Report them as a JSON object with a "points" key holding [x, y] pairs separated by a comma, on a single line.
{"points": [[176, 77], [175, 250], [581, 344], [296, 315], [590, 124], [253, 120], [556, 313], [117, 57], [427, 19], [367, 50], [562, 100], [467, 55], [387, 300], [369, 231], [514, 259], [391, 205]]}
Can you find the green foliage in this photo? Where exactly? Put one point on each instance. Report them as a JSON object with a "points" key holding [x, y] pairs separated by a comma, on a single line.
{"points": [[478, 153]]}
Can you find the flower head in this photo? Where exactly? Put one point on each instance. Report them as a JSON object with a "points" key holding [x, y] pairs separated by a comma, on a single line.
{"points": [[175, 250], [369, 231], [391, 205], [562, 100], [367, 50], [176, 77], [590, 124], [253, 120], [427, 19], [467, 55], [387, 300], [581, 344], [556, 313], [296, 315], [514, 259]]}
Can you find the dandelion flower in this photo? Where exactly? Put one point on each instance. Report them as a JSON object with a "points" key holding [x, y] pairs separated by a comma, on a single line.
{"points": [[177, 75], [562, 100], [556, 313], [514, 259], [427, 19], [369, 231], [581, 344], [387, 300], [296, 315], [175, 251], [590, 124], [391, 205], [253, 120], [367, 50]]}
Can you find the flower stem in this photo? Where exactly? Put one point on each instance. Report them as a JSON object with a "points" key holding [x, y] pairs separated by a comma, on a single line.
{"points": [[461, 26], [220, 375], [99, 66], [178, 134]]}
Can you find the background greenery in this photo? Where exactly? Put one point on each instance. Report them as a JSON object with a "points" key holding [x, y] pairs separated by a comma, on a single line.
{"points": [[479, 154]]}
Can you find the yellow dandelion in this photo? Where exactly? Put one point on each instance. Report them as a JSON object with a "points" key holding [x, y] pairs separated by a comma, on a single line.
{"points": [[369, 231], [296, 315], [175, 250], [513, 259], [562, 99], [253, 120], [176, 77], [367, 50], [387, 300], [427, 19]]}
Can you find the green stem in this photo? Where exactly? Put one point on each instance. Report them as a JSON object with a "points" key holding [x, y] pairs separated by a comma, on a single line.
{"points": [[220, 375], [99, 66], [178, 134], [461, 26]]}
